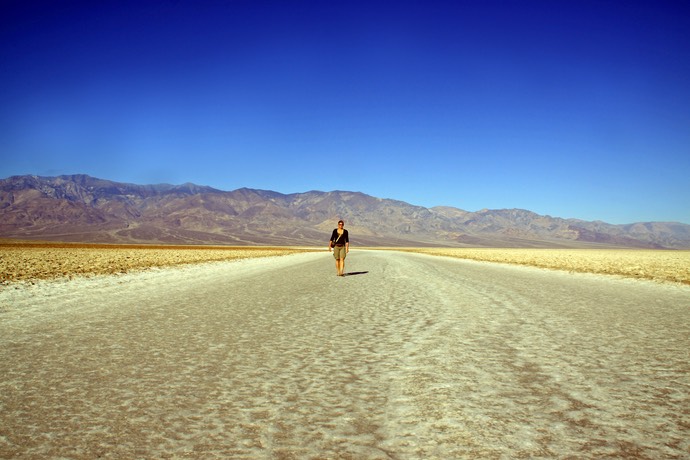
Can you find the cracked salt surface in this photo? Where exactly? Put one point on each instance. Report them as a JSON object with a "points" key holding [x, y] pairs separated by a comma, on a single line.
{"points": [[415, 357]]}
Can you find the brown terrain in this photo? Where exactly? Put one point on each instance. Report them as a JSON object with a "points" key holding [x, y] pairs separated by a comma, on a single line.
{"points": [[27, 260], [664, 266], [85, 209]]}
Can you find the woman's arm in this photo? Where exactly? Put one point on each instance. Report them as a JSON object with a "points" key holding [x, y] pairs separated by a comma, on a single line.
{"points": [[330, 242]]}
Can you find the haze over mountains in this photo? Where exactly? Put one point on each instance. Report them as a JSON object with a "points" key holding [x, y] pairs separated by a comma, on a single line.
{"points": [[80, 208]]}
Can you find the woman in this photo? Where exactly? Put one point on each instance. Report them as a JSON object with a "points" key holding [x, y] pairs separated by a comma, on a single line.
{"points": [[340, 245]]}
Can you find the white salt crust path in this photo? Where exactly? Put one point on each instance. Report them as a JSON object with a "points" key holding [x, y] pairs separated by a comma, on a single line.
{"points": [[411, 356]]}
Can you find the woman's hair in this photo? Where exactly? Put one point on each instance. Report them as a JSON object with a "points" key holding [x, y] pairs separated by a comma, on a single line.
{"points": [[341, 222]]}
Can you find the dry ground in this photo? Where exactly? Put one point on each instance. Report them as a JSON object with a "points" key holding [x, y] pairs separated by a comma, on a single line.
{"points": [[24, 261], [657, 265], [410, 356]]}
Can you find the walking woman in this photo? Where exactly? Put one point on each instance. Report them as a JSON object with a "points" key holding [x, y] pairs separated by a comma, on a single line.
{"points": [[340, 245]]}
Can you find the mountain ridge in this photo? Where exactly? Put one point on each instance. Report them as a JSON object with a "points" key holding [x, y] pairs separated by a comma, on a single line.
{"points": [[87, 209]]}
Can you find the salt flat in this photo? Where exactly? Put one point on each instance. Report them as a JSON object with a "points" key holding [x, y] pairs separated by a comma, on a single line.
{"points": [[411, 356]]}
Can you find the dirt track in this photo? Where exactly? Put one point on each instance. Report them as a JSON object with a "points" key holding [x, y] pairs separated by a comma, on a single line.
{"points": [[409, 357]]}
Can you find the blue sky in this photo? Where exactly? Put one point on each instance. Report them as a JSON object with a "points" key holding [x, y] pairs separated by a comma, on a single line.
{"points": [[567, 108]]}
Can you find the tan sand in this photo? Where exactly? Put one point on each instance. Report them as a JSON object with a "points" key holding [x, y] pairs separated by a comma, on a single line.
{"points": [[24, 261], [657, 265]]}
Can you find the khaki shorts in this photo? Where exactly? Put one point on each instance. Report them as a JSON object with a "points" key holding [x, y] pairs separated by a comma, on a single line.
{"points": [[339, 252]]}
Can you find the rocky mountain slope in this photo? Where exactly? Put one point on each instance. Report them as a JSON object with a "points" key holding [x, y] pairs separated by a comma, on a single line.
{"points": [[86, 209]]}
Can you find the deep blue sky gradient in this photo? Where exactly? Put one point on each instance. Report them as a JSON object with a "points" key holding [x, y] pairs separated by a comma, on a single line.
{"points": [[567, 108]]}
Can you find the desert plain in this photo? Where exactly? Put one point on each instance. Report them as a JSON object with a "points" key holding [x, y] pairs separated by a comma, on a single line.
{"points": [[409, 356], [26, 260], [218, 352], [657, 265]]}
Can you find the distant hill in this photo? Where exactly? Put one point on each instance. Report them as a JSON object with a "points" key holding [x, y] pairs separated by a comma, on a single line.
{"points": [[81, 208]]}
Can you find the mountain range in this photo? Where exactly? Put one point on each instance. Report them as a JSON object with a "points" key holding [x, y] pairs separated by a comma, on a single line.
{"points": [[80, 208]]}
